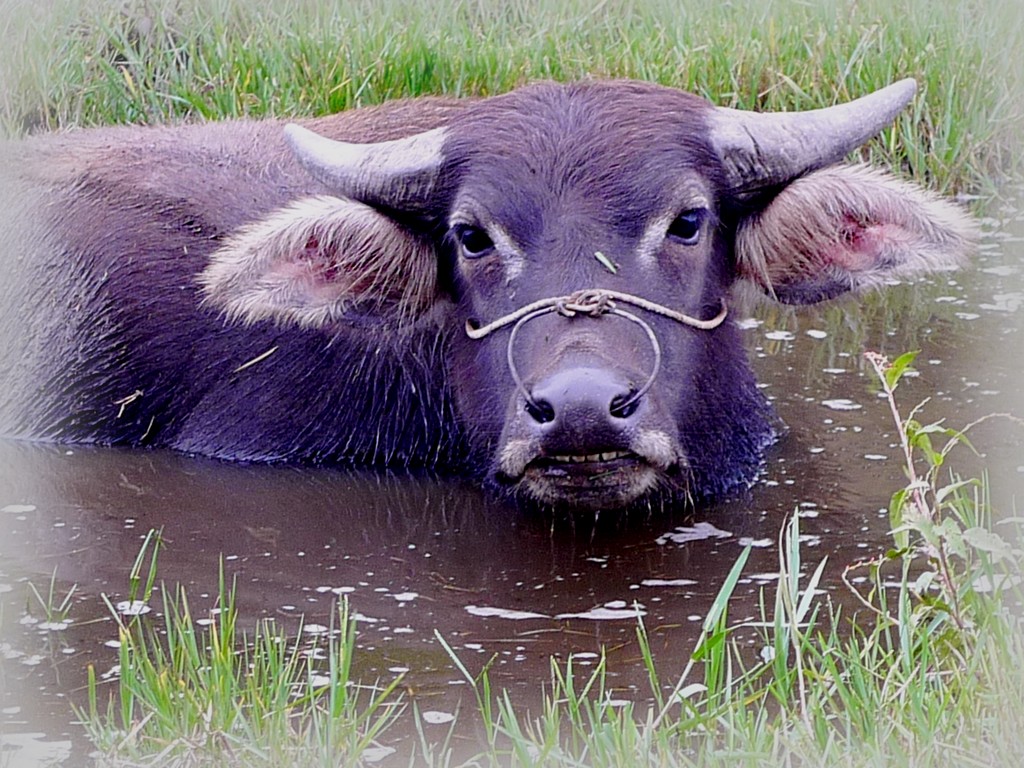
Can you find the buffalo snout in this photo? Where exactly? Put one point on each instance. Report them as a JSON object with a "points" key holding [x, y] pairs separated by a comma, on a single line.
{"points": [[582, 410], [584, 428]]}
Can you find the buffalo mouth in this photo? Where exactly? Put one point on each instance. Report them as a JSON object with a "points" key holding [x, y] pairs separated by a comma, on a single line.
{"points": [[589, 480]]}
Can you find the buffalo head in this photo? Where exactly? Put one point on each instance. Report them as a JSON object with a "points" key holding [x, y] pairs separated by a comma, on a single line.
{"points": [[575, 248]]}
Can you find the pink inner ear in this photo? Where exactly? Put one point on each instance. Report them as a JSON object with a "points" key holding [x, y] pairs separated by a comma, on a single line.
{"points": [[317, 272], [864, 244], [312, 271], [320, 266]]}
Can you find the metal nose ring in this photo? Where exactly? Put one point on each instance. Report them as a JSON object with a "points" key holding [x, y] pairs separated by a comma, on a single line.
{"points": [[571, 311]]}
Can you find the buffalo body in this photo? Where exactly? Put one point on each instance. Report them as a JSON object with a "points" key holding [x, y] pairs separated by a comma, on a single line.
{"points": [[533, 288]]}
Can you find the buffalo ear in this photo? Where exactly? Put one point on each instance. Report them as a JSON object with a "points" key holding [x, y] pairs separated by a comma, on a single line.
{"points": [[318, 261], [848, 228]]}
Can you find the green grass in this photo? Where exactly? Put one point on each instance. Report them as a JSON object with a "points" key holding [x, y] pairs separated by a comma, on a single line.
{"points": [[928, 674], [189, 695], [55, 607], [92, 62]]}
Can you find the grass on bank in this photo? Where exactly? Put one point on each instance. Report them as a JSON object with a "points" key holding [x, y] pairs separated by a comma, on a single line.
{"points": [[88, 62], [929, 672], [205, 695]]}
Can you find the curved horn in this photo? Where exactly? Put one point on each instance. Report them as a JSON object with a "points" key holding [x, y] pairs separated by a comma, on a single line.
{"points": [[764, 149], [399, 174]]}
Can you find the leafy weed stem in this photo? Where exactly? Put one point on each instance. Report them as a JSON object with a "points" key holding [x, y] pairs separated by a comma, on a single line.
{"points": [[889, 375], [920, 506]]}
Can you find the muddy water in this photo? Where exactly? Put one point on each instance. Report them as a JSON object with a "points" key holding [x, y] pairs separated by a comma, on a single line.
{"points": [[419, 555]]}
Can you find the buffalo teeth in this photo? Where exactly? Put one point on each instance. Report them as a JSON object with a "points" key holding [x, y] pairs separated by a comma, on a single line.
{"points": [[590, 458]]}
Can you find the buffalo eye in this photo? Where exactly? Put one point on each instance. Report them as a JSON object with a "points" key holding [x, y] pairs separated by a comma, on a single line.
{"points": [[474, 241], [685, 228]]}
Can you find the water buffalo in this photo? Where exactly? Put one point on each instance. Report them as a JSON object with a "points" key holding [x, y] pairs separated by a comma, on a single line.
{"points": [[533, 287]]}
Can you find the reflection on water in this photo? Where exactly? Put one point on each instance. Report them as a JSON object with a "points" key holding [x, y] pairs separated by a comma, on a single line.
{"points": [[415, 555]]}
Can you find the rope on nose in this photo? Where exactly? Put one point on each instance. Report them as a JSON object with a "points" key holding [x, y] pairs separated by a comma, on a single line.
{"points": [[592, 302]]}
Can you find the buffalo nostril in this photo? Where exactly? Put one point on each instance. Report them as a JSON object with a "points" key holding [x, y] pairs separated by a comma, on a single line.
{"points": [[540, 411], [624, 406]]}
